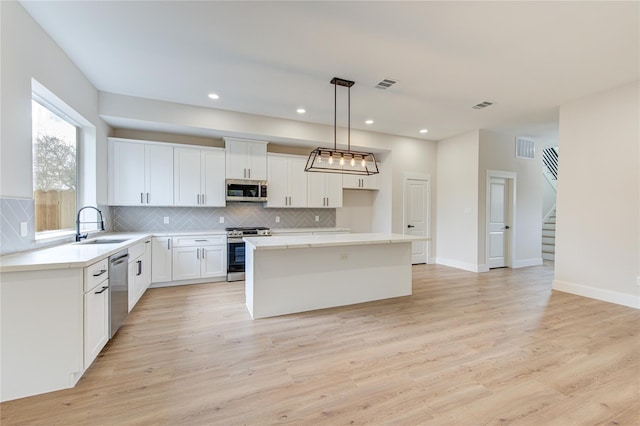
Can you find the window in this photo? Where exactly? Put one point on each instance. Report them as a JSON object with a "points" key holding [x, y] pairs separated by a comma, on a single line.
{"points": [[55, 170]]}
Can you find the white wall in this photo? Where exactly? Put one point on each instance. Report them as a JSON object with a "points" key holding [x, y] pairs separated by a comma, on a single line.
{"points": [[402, 154], [598, 227], [28, 52], [497, 152], [357, 210], [457, 207]]}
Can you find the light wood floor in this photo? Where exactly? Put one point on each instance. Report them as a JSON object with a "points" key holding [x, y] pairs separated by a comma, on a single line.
{"points": [[465, 349]]}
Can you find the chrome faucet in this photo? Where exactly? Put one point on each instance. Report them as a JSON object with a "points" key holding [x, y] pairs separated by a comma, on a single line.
{"points": [[80, 236]]}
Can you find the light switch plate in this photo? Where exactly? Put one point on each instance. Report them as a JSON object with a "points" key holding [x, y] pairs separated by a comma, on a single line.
{"points": [[277, 219], [166, 219], [221, 219], [23, 229], [317, 218]]}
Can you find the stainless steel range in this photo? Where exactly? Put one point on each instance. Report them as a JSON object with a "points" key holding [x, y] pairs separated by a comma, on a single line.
{"points": [[235, 249]]}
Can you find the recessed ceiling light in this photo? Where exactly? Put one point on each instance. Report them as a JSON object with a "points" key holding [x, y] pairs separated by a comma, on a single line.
{"points": [[301, 110], [368, 122], [213, 96], [423, 131]]}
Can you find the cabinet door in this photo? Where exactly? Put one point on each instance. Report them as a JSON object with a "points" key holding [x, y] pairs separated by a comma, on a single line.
{"points": [[126, 173], [159, 175], [316, 189], [334, 190], [297, 182], [96, 321], [278, 180], [146, 267], [214, 261], [236, 159], [134, 281], [212, 181], [161, 259], [257, 160], [186, 263], [187, 174]]}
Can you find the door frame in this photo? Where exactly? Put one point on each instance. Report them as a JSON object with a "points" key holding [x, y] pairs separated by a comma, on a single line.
{"points": [[511, 178], [427, 178]]}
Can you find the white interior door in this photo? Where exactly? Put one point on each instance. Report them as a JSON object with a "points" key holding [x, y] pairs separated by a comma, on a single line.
{"points": [[417, 217], [497, 224]]}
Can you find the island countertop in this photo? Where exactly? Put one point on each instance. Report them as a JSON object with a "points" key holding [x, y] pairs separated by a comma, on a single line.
{"points": [[329, 240]]}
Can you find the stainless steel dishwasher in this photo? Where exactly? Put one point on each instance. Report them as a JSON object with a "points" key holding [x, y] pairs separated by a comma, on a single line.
{"points": [[118, 290]]}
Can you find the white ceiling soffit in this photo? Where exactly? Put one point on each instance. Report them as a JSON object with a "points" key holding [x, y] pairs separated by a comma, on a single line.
{"points": [[270, 58]]}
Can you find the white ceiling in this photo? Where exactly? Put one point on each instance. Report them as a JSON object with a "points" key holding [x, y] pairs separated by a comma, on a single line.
{"points": [[270, 58]]}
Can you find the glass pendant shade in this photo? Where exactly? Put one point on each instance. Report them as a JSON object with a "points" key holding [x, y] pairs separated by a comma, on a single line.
{"points": [[334, 160], [353, 162]]}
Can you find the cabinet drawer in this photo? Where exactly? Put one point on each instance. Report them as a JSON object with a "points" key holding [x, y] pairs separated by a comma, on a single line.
{"points": [[199, 240], [136, 251], [95, 274]]}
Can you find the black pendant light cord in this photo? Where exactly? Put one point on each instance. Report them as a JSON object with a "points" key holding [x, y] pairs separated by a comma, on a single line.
{"points": [[335, 116]]}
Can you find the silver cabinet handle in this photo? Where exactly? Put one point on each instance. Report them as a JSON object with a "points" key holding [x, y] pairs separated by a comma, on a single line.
{"points": [[169, 244], [203, 254], [203, 202], [147, 198], [197, 253], [198, 197], [249, 173], [141, 198]]}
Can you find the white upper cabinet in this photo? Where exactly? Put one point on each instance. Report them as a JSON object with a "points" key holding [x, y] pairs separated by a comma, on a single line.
{"points": [[324, 190], [287, 181], [140, 173], [360, 182], [246, 159], [199, 177]]}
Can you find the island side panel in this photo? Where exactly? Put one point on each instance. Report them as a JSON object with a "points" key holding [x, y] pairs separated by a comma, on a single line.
{"points": [[248, 276], [285, 281], [42, 331]]}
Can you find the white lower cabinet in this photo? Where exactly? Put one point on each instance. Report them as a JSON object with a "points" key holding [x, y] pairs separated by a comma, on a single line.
{"points": [[96, 310], [199, 256], [161, 270], [139, 271]]}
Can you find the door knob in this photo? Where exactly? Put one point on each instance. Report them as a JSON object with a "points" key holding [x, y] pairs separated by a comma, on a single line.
{"points": [[507, 227], [410, 226]]}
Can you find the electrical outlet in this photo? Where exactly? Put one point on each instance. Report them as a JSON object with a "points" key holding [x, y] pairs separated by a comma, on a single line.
{"points": [[23, 229], [277, 219], [317, 218], [166, 219], [344, 256], [221, 219]]}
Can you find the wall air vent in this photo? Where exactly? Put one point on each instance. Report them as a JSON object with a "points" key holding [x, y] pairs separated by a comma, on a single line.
{"points": [[525, 148], [385, 84], [482, 105]]}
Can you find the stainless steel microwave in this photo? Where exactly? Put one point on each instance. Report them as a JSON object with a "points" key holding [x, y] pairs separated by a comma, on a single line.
{"points": [[246, 190]]}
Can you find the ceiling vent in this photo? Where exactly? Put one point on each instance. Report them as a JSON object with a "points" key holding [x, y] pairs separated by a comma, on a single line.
{"points": [[525, 148], [482, 105], [385, 84]]}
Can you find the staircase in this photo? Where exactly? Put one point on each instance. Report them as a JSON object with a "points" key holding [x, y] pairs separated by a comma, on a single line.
{"points": [[549, 237]]}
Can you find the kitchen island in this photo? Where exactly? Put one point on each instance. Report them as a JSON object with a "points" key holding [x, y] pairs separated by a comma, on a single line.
{"points": [[288, 274]]}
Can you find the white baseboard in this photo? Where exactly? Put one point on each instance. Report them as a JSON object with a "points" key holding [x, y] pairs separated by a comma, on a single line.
{"points": [[623, 299], [523, 263], [432, 260], [461, 265]]}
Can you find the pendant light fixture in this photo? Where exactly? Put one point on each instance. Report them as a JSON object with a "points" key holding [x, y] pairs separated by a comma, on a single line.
{"points": [[327, 160]]}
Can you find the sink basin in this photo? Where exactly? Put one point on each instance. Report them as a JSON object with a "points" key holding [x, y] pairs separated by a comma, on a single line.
{"points": [[104, 241]]}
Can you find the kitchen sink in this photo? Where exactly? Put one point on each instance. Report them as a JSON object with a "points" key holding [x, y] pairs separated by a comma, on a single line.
{"points": [[104, 241]]}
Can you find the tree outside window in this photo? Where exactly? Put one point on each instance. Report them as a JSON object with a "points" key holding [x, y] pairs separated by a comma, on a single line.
{"points": [[54, 170]]}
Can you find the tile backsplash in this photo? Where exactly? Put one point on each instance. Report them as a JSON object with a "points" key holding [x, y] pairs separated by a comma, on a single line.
{"points": [[151, 219], [12, 212]]}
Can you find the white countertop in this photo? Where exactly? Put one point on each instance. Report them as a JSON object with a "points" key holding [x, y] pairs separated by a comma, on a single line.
{"points": [[276, 231], [72, 255], [326, 240]]}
